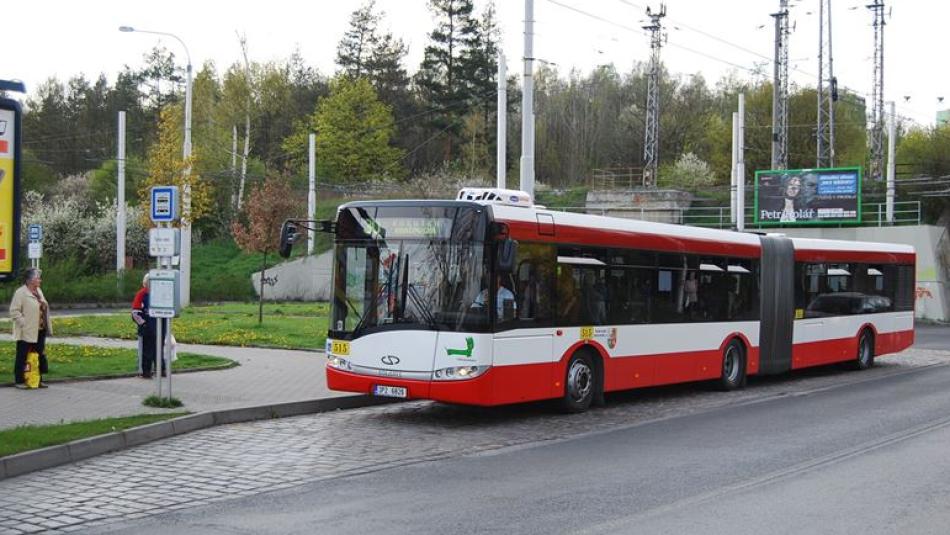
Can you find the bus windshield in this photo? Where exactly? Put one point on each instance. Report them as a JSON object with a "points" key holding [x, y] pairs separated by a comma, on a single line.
{"points": [[417, 267]]}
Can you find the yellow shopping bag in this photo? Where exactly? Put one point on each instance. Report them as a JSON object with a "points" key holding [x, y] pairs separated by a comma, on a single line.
{"points": [[31, 373]]}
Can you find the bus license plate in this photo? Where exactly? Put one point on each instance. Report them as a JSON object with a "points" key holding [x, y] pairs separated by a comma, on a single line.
{"points": [[389, 391], [339, 347]]}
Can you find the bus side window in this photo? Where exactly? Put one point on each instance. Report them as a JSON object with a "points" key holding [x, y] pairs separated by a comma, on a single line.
{"points": [[534, 283]]}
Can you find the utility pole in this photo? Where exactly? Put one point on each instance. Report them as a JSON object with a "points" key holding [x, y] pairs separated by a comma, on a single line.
{"points": [[311, 192], [827, 89], [780, 89], [501, 143], [734, 186], [527, 103], [891, 162], [651, 136], [877, 93], [740, 166], [120, 200]]}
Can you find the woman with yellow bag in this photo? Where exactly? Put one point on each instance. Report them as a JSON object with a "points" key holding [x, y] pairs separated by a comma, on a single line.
{"points": [[29, 311]]}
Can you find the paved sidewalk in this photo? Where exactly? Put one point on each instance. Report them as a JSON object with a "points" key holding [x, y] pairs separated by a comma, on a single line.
{"points": [[265, 376]]}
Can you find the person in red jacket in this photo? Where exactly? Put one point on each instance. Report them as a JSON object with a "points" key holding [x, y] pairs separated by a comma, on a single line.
{"points": [[146, 329]]}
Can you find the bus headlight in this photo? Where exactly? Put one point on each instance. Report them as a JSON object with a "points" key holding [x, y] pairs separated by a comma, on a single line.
{"points": [[338, 363], [458, 373]]}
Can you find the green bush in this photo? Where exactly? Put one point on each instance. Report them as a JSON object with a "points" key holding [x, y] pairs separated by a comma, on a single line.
{"points": [[61, 284]]}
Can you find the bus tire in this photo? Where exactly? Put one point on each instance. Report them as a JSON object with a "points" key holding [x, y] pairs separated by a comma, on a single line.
{"points": [[580, 383], [733, 372], [865, 357]]}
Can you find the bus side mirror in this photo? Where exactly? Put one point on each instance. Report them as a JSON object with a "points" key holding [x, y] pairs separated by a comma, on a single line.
{"points": [[507, 252], [288, 234]]}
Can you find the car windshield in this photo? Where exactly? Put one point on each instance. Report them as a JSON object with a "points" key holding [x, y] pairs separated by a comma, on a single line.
{"points": [[408, 267]]}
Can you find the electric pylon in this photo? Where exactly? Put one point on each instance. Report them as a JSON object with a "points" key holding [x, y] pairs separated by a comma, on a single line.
{"points": [[780, 89], [827, 89], [651, 137], [877, 94]]}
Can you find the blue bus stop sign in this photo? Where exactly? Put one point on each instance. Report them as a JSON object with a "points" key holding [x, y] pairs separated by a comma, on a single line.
{"points": [[164, 204], [35, 232]]}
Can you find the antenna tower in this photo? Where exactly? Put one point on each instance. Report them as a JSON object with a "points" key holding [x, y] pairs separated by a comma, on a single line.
{"points": [[780, 89], [651, 137], [827, 89], [877, 93]]}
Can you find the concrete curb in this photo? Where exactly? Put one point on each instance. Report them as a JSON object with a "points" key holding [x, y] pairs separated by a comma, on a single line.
{"points": [[87, 378], [77, 450]]}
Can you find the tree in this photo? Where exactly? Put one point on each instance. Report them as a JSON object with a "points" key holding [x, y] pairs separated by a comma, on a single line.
{"points": [[366, 52], [689, 172], [166, 166], [922, 153], [443, 77], [354, 130], [269, 205], [482, 61], [160, 67], [356, 48], [249, 97], [482, 72]]}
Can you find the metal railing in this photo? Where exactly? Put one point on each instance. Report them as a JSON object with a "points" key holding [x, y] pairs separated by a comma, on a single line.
{"points": [[873, 215], [616, 178]]}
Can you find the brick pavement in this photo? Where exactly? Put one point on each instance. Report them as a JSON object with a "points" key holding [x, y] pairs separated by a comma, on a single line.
{"points": [[265, 376], [251, 458]]}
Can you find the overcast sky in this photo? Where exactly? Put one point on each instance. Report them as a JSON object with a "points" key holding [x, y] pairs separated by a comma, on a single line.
{"points": [[712, 37]]}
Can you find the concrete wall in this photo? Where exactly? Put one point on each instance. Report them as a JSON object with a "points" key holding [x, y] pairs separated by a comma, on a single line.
{"points": [[663, 206], [303, 279], [933, 258]]}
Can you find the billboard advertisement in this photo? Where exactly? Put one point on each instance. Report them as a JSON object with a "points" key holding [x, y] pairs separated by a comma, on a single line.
{"points": [[808, 196], [9, 187]]}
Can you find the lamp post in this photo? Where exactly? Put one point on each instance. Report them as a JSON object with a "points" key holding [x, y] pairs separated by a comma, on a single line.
{"points": [[185, 257]]}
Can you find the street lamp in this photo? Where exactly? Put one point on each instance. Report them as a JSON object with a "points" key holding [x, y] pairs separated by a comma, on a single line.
{"points": [[185, 257]]}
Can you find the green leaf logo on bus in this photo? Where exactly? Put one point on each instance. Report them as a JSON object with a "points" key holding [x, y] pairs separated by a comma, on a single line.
{"points": [[467, 352]]}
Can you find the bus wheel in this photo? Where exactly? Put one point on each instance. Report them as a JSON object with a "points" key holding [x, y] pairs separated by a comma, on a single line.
{"points": [[579, 384], [733, 367], [865, 357]]}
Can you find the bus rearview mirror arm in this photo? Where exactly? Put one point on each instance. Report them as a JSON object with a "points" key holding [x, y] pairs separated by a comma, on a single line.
{"points": [[292, 229]]}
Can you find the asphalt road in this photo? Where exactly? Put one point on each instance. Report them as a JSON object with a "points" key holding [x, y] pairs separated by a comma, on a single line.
{"points": [[865, 457], [932, 336]]}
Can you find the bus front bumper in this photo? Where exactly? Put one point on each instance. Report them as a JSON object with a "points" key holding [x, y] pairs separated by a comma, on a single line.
{"points": [[477, 391]]}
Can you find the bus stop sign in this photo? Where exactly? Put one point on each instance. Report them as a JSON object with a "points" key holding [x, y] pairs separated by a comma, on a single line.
{"points": [[164, 204], [35, 232]]}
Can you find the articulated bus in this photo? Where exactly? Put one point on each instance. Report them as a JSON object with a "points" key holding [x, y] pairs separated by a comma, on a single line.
{"points": [[488, 299]]}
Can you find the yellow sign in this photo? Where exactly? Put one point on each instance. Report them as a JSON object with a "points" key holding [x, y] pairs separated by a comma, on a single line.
{"points": [[7, 208], [799, 313], [340, 347], [587, 333]]}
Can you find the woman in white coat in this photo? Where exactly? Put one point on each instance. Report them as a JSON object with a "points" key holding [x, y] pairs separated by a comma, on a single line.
{"points": [[29, 311]]}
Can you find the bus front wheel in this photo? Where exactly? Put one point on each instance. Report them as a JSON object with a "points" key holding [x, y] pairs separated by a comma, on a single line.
{"points": [[865, 356], [579, 383], [733, 367]]}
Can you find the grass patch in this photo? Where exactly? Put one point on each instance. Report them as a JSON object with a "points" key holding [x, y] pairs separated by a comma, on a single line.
{"points": [[286, 325], [32, 437], [162, 403], [73, 361]]}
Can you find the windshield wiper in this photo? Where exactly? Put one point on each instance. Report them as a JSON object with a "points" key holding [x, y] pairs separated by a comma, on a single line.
{"points": [[428, 317], [372, 306]]}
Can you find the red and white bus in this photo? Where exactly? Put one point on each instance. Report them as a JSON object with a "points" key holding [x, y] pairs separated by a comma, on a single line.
{"points": [[489, 299]]}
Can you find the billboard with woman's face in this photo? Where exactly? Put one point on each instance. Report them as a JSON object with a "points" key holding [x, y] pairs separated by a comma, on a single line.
{"points": [[808, 196]]}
